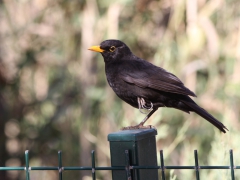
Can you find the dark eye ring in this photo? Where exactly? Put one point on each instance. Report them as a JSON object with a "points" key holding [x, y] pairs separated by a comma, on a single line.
{"points": [[112, 48]]}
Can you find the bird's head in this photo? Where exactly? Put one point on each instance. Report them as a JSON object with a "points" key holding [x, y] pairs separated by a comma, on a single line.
{"points": [[112, 50]]}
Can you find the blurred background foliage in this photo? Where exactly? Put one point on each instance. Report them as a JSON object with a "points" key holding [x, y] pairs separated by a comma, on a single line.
{"points": [[54, 95]]}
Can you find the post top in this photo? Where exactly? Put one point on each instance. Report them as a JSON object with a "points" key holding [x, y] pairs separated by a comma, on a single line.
{"points": [[132, 135]]}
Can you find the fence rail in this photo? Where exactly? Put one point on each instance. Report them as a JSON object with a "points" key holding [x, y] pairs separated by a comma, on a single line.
{"points": [[127, 167]]}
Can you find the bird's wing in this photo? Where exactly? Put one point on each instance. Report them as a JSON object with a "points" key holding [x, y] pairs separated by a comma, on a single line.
{"points": [[146, 75]]}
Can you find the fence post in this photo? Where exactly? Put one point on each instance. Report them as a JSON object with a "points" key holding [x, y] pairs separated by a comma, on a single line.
{"points": [[141, 145]]}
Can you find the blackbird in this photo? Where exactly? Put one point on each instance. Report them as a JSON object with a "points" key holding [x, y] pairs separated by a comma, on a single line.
{"points": [[146, 86]]}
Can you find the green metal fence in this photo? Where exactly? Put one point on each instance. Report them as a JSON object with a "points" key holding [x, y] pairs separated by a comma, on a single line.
{"points": [[128, 167]]}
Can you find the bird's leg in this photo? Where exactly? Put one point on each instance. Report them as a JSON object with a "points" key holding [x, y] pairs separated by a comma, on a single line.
{"points": [[140, 125], [147, 117], [142, 105]]}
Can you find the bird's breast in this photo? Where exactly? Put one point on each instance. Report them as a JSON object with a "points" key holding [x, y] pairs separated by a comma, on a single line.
{"points": [[111, 84], [115, 84]]}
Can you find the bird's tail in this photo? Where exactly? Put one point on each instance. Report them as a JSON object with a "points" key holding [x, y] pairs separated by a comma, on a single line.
{"points": [[203, 113]]}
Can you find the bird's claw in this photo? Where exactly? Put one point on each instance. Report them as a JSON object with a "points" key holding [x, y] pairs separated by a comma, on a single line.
{"points": [[138, 127]]}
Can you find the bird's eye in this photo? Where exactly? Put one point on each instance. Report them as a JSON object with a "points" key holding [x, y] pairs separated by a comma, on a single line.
{"points": [[112, 48]]}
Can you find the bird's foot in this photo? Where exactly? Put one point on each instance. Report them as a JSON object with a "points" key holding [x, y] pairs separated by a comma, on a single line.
{"points": [[139, 126]]}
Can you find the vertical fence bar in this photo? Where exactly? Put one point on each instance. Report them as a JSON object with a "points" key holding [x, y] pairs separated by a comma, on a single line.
{"points": [[27, 164], [128, 172], [93, 166], [196, 164], [162, 164], [60, 164], [232, 164]]}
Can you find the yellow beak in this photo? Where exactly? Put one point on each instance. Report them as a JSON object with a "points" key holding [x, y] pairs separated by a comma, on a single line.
{"points": [[96, 49]]}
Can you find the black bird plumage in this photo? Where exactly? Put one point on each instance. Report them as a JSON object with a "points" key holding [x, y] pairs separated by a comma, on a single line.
{"points": [[144, 85]]}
